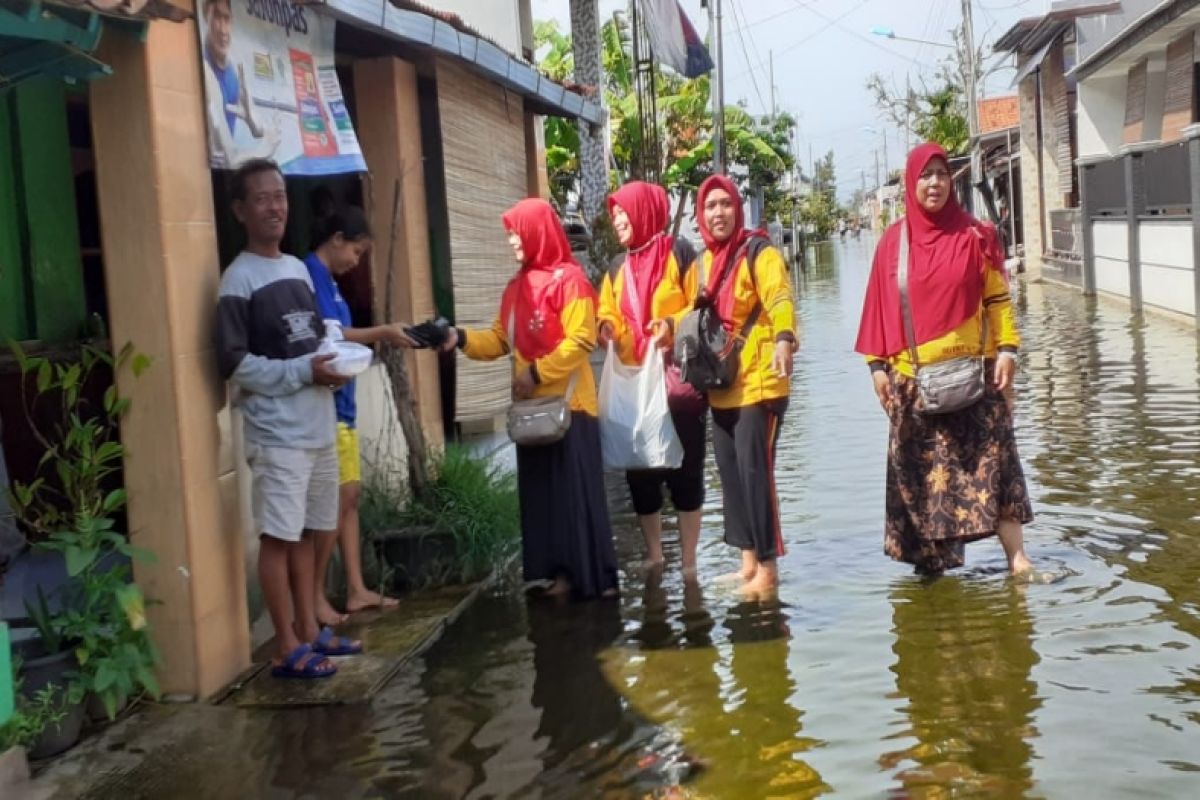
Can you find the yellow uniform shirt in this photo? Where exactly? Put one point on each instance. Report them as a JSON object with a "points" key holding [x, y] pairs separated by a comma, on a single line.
{"points": [[554, 369], [965, 339], [756, 381], [674, 294]]}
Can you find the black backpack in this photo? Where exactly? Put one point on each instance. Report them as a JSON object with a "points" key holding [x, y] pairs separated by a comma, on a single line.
{"points": [[708, 355]]}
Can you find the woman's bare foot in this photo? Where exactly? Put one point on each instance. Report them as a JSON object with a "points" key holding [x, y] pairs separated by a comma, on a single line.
{"points": [[1019, 565], [327, 614], [650, 564], [560, 588], [765, 582], [361, 600], [737, 576]]}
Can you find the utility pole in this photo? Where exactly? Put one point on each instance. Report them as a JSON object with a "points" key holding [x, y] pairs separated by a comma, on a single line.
{"points": [[714, 27], [771, 60], [972, 114], [886, 176], [907, 114], [877, 183]]}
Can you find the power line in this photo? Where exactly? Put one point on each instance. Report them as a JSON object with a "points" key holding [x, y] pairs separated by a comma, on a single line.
{"points": [[837, 22], [818, 31], [746, 54]]}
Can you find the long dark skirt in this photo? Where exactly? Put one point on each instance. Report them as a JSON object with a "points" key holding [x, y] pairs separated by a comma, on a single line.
{"points": [[564, 514], [951, 478]]}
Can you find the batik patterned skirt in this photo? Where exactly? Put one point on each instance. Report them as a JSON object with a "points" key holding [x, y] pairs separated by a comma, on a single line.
{"points": [[951, 478]]}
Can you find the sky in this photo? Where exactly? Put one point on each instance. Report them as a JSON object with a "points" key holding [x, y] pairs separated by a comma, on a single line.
{"points": [[824, 52]]}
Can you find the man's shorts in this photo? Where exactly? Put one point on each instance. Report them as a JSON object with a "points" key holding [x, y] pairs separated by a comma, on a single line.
{"points": [[349, 460], [294, 490]]}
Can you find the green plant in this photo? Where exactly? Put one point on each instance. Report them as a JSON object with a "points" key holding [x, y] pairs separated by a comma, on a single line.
{"points": [[471, 498], [32, 715], [101, 614]]}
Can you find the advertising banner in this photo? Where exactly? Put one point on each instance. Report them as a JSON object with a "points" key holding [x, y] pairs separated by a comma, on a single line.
{"points": [[271, 88]]}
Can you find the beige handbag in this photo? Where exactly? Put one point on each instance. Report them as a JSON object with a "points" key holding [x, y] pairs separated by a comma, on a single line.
{"points": [[947, 386], [538, 421]]}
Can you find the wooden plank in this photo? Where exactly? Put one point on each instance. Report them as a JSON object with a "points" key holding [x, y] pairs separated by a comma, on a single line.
{"points": [[14, 313], [48, 186], [1178, 112], [1135, 103], [483, 134]]}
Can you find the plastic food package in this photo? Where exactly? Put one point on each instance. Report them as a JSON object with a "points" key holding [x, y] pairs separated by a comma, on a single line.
{"points": [[350, 359]]}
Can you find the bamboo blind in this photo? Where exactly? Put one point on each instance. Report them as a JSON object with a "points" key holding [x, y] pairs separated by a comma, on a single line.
{"points": [[483, 146], [1177, 111]]}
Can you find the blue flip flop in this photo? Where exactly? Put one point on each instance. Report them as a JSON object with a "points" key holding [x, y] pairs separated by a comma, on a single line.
{"points": [[317, 665], [344, 647]]}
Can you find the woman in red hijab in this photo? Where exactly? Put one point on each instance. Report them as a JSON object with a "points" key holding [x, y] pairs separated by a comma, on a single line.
{"points": [[655, 281], [547, 323], [951, 478], [747, 281]]}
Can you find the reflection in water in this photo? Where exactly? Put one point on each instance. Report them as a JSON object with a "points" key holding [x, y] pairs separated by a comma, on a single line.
{"points": [[964, 654], [722, 692]]}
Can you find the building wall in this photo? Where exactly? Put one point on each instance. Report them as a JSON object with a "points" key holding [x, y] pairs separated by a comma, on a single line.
{"points": [[1101, 115], [1168, 271], [1095, 32]]}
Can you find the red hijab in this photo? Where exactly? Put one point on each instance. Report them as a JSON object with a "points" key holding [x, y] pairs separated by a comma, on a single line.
{"points": [[548, 280], [648, 210], [948, 253], [726, 251]]}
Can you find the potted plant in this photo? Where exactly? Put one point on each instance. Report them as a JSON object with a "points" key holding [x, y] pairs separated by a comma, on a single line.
{"points": [[466, 523], [98, 615], [48, 713]]}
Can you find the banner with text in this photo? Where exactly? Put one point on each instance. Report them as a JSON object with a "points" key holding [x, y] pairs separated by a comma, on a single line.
{"points": [[271, 89]]}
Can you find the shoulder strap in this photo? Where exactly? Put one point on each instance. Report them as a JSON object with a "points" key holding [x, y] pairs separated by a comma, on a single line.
{"points": [[684, 254], [754, 246], [910, 333]]}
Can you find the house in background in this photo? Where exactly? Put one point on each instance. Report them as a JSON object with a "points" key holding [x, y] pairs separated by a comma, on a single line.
{"points": [[1110, 90], [114, 227]]}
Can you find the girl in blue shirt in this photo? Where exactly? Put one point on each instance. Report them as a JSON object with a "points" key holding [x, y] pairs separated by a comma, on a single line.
{"points": [[340, 240]]}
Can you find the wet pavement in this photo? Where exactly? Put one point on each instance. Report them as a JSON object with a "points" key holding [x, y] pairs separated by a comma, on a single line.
{"points": [[864, 680]]}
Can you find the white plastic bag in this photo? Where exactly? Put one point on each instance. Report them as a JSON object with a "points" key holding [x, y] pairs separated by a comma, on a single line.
{"points": [[636, 431]]}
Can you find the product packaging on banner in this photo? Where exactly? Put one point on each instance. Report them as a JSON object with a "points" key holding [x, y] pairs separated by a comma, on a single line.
{"points": [[636, 431]]}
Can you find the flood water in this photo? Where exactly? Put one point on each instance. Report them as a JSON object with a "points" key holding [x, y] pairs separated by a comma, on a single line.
{"points": [[864, 680]]}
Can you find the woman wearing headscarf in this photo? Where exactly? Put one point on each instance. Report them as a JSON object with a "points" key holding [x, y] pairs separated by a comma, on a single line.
{"points": [[547, 322], [951, 478], [747, 281], [655, 281]]}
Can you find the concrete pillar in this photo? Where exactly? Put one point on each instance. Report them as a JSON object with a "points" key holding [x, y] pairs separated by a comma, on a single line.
{"points": [[1135, 207], [160, 251], [1192, 134], [593, 171], [389, 132], [1033, 215], [1088, 245]]}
